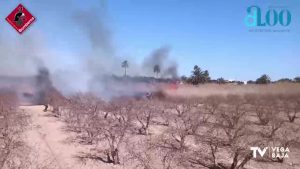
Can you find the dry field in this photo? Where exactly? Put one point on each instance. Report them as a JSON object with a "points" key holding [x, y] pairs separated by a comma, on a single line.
{"points": [[216, 89], [208, 126]]}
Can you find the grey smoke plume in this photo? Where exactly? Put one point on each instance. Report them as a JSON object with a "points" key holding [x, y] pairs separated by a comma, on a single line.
{"points": [[96, 30], [161, 57], [25, 55], [102, 61], [43, 85], [102, 58], [20, 55], [171, 71]]}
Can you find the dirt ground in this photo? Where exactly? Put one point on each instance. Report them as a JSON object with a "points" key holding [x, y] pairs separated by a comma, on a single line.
{"points": [[50, 144]]}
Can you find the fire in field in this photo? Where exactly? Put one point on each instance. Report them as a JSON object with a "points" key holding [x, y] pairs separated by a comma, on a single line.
{"points": [[149, 85]]}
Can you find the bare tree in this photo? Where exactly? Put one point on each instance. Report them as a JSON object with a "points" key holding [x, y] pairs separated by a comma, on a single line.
{"points": [[56, 100], [12, 124], [140, 154], [211, 103], [290, 105], [174, 143], [115, 128], [83, 114], [144, 112], [263, 107], [231, 122], [197, 133]]}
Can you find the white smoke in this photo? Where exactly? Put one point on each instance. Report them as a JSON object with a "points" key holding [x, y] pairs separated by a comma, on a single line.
{"points": [[23, 55]]}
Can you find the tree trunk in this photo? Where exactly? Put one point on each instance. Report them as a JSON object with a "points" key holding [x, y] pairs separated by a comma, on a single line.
{"points": [[246, 159], [292, 117], [56, 111], [235, 160], [115, 156], [46, 107], [109, 160]]}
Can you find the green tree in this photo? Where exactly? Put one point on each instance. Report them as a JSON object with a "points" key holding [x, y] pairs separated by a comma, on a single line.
{"points": [[156, 70], [284, 80], [125, 65], [221, 80], [196, 75], [206, 77], [184, 78], [297, 79], [199, 76], [250, 82], [264, 79]]}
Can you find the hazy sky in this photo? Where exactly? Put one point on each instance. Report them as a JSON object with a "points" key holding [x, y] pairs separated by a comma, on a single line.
{"points": [[209, 33]]}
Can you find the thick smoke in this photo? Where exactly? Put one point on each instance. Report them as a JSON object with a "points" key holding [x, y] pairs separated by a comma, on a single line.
{"points": [[42, 86], [161, 58], [27, 55], [96, 30], [171, 71], [20, 56], [102, 61]]}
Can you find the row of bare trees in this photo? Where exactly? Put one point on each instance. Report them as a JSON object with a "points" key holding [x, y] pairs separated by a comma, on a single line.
{"points": [[215, 132], [15, 152], [12, 122]]}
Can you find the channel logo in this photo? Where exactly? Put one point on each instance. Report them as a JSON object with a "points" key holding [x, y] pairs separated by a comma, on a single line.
{"points": [[272, 17], [20, 18]]}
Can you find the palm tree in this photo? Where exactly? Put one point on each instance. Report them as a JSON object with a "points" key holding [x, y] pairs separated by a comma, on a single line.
{"points": [[125, 65], [156, 69]]}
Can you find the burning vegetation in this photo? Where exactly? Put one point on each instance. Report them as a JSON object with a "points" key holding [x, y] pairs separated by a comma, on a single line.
{"points": [[140, 120]]}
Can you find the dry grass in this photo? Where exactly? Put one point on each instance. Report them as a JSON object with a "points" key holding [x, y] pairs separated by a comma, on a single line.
{"points": [[215, 89]]}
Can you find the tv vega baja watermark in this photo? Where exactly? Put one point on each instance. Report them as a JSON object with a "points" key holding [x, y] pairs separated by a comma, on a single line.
{"points": [[272, 152]]}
